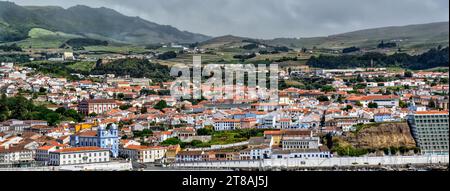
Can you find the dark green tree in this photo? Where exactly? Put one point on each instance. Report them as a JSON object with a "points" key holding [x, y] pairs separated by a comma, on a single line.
{"points": [[204, 131], [161, 105], [125, 107], [171, 141], [120, 96], [53, 118], [327, 88], [144, 110], [408, 74], [431, 104], [42, 90], [323, 98], [403, 104], [373, 105]]}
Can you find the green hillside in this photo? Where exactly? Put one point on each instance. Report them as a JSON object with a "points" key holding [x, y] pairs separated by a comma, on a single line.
{"points": [[45, 39], [223, 41], [417, 38], [100, 23], [37, 26], [412, 36], [16, 22]]}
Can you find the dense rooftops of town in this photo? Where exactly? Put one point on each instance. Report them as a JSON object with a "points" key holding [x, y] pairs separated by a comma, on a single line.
{"points": [[213, 129]]}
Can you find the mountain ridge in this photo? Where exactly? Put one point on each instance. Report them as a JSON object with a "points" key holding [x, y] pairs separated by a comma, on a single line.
{"points": [[431, 34], [87, 21], [107, 24], [415, 35]]}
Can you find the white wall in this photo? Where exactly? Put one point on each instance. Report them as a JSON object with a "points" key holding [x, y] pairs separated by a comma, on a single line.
{"points": [[342, 161]]}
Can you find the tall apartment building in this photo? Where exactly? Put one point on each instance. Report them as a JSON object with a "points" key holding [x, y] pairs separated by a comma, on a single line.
{"points": [[97, 106], [430, 131]]}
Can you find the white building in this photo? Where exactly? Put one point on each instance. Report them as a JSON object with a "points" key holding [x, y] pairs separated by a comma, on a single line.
{"points": [[387, 101], [13, 140], [301, 153], [191, 156], [292, 140], [43, 153], [143, 154], [260, 152], [17, 75], [430, 131], [79, 155], [284, 123], [7, 64], [68, 56], [12, 155], [226, 124]]}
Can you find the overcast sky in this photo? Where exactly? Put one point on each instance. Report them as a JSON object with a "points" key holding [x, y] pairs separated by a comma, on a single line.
{"points": [[272, 18]]}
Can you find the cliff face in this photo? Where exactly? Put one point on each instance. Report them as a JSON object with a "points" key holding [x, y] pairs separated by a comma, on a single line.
{"points": [[382, 136]]}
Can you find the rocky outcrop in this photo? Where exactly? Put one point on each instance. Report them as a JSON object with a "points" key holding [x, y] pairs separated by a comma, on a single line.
{"points": [[379, 136]]}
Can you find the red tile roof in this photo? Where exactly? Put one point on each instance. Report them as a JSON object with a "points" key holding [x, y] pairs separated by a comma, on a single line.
{"points": [[79, 149], [372, 97], [47, 147], [101, 101], [87, 133], [272, 132]]}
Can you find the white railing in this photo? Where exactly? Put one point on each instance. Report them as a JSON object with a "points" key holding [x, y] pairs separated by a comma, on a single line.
{"points": [[321, 162], [110, 166]]}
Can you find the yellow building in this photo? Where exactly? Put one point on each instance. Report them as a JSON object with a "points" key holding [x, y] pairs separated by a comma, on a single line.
{"points": [[274, 136], [82, 126], [172, 152]]}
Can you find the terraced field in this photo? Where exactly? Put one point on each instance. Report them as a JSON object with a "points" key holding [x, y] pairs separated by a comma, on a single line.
{"points": [[45, 39]]}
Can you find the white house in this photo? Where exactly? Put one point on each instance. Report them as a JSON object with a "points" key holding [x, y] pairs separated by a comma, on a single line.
{"points": [[43, 153], [226, 124], [11, 155], [143, 154], [79, 155]]}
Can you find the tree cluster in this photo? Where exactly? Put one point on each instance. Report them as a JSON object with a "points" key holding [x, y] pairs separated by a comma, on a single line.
{"points": [[22, 109], [136, 68], [9, 48], [435, 57]]}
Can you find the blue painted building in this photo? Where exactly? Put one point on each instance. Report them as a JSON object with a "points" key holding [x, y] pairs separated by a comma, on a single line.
{"points": [[104, 137], [244, 115], [383, 117]]}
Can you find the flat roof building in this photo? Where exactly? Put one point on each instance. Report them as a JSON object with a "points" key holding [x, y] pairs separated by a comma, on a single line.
{"points": [[430, 131]]}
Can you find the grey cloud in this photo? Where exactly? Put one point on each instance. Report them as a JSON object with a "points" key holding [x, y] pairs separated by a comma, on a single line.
{"points": [[270, 18]]}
